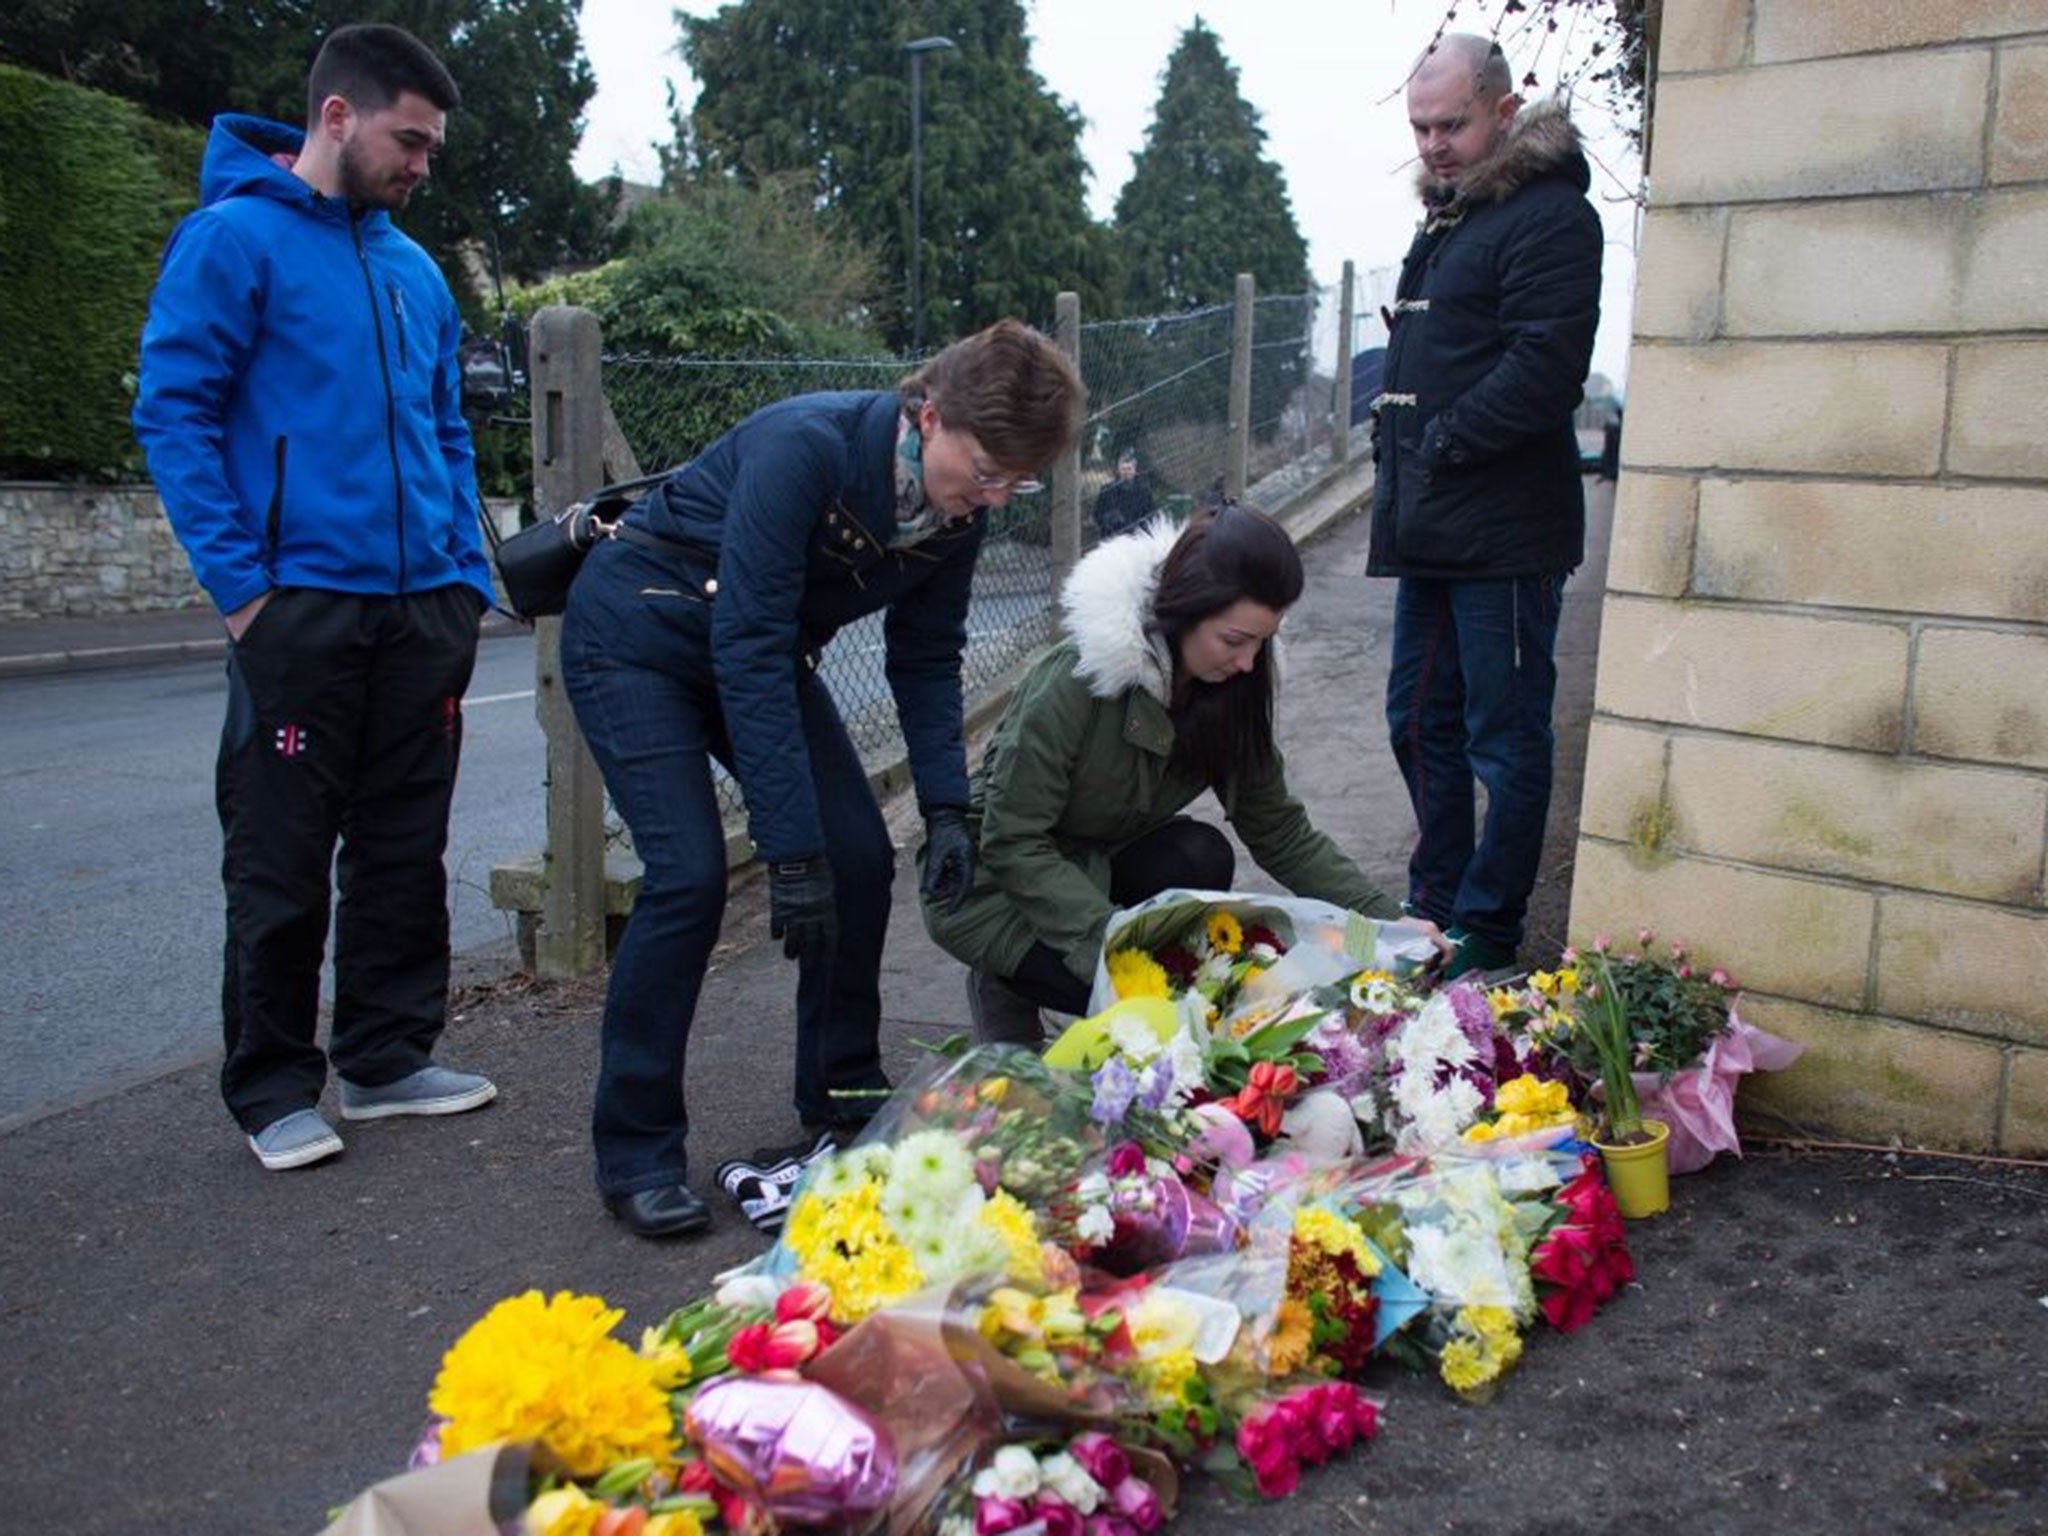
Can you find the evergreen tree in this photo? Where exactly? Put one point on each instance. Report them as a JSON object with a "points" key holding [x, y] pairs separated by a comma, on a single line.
{"points": [[1204, 203], [822, 87]]}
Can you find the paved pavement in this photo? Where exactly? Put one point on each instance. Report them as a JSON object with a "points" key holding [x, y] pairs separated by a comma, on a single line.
{"points": [[188, 1343]]}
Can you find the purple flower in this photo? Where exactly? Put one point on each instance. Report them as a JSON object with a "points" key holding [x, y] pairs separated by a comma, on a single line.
{"points": [[1114, 1090], [1154, 1084]]}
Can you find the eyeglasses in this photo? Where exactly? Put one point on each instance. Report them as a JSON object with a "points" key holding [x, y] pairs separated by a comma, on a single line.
{"points": [[1016, 485]]}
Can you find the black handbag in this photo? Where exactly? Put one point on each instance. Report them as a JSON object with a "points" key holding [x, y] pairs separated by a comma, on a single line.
{"points": [[538, 563]]}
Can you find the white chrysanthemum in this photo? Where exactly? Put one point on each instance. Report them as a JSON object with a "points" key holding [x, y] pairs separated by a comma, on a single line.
{"points": [[1459, 1265], [1064, 1477], [1134, 1039], [1432, 1037], [1215, 970], [932, 1164]]}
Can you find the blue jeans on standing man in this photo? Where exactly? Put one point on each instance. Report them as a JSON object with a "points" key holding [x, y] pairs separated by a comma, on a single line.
{"points": [[636, 662], [1469, 694]]}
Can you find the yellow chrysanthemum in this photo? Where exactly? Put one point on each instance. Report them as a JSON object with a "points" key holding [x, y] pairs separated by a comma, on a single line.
{"points": [[1486, 1346], [1010, 1219], [843, 1243], [1133, 973], [1225, 933], [1325, 1229], [1172, 1380], [547, 1369], [1533, 1096]]}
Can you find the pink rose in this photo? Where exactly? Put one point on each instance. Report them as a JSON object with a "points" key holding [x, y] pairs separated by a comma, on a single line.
{"points": [[1136, 1500], [1100, 1457], [1060, 1517], [994, 1515]]}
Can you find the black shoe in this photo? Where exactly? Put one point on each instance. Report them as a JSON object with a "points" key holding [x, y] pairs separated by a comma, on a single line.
{"points": [[672, 1210], [819, 1140]]}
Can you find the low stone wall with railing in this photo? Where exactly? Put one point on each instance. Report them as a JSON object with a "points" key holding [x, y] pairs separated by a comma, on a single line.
{"points": [[91, 551]]}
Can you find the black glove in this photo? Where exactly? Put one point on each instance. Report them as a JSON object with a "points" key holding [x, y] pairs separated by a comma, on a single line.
{"points": [[800, 908], [948, 857]]}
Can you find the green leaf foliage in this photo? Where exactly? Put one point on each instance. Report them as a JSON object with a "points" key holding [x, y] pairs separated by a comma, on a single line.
{"points": [[821, 88], [89, 193], [505, 176]]}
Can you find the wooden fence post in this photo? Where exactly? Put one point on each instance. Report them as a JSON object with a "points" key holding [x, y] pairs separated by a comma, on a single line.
{"points": [[1066, 470], [568, 462], [1347, 320], [1237, 460]]}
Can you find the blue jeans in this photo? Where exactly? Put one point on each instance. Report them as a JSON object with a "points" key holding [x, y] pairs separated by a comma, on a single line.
{"points": [[636, 664], [1469, 693]]}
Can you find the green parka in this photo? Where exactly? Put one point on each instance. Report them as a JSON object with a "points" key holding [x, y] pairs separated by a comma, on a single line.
{"points": [[1080, 765]]}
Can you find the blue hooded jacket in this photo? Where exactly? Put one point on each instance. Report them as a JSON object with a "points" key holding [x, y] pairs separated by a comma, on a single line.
{"points": [[300, 399]]}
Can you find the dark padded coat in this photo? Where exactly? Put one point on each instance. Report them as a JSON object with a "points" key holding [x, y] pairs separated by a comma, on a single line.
{"points": [[793, 509], [1492, 334]]}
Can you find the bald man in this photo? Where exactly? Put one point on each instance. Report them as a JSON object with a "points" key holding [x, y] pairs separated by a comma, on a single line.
{"points": [[1478, 508]]}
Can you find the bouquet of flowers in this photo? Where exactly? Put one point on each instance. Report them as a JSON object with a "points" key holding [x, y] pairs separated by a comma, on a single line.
{"points": [[1230, 954]]}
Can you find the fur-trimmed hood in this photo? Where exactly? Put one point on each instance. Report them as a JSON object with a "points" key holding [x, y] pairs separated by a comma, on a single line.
{"points": [[1104, 608], [1541, 141]]}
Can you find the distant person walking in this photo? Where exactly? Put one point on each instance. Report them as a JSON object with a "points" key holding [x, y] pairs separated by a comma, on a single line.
{"points": [[1478, 507], [1125, 502], [299, 410]]}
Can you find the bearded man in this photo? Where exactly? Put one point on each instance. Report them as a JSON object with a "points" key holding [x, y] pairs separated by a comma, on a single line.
{"points": [[1478, 507], [299, 405]]}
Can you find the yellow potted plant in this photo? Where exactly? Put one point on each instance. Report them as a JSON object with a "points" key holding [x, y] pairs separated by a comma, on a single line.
{"points": [[1632, 1148]]}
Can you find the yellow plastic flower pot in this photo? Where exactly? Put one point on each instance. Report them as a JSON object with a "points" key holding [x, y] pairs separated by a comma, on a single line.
{"points": [[1638, 1173]]}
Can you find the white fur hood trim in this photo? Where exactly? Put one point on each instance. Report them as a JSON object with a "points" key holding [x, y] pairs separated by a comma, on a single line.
{"points": [[1105, 604]]}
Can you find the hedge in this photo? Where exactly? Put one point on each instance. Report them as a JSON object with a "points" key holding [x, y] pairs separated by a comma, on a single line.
{"points": [[89, 189]]}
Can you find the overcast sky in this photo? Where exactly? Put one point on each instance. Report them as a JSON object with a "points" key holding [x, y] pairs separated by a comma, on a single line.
{"points": [[1325, 76]]}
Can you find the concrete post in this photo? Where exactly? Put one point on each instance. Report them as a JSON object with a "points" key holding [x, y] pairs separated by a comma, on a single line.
{"points": [[1066, 471], [1347, 320], [568, 462], [1237, 459]]}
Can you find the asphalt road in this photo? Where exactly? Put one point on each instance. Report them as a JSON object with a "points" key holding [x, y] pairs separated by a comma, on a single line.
{"points": [[110, 899]]}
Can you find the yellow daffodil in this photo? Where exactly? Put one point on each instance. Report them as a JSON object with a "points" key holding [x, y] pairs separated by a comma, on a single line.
{"points": [[547, 1369]]}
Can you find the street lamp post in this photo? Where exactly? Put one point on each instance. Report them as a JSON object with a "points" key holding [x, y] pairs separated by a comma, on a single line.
{"points": [[917, 51]]}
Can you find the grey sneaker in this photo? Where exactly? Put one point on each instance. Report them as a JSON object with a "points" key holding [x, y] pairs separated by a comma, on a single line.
{"points": [[297, 1139], [1001, 1014], [429, 1091]]}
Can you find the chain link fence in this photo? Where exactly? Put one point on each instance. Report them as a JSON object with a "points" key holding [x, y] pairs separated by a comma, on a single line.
{"points": [[1158, 390]]}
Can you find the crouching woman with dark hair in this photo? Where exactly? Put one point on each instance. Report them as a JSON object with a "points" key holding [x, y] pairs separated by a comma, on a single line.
{"points": [[1161, 687]]}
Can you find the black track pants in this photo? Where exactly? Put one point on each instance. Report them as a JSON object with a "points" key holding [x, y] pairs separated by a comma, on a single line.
{"points": [[344, 723]]}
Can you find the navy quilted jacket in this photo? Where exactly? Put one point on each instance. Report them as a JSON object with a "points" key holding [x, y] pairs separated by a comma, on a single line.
{"points": [[795, 506]]}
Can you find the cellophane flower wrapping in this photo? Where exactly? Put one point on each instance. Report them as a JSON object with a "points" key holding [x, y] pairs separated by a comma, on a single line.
{"points": [[1243, 954], [1698, 1103], [967, 1172]]}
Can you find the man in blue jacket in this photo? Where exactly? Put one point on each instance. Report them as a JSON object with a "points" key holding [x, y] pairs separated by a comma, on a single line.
{"points": [[299, 406], [1478, 507]]}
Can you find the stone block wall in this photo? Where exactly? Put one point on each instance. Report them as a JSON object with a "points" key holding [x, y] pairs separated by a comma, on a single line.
{"points": [[78, 551], [72, 551], [1820, 747]]}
